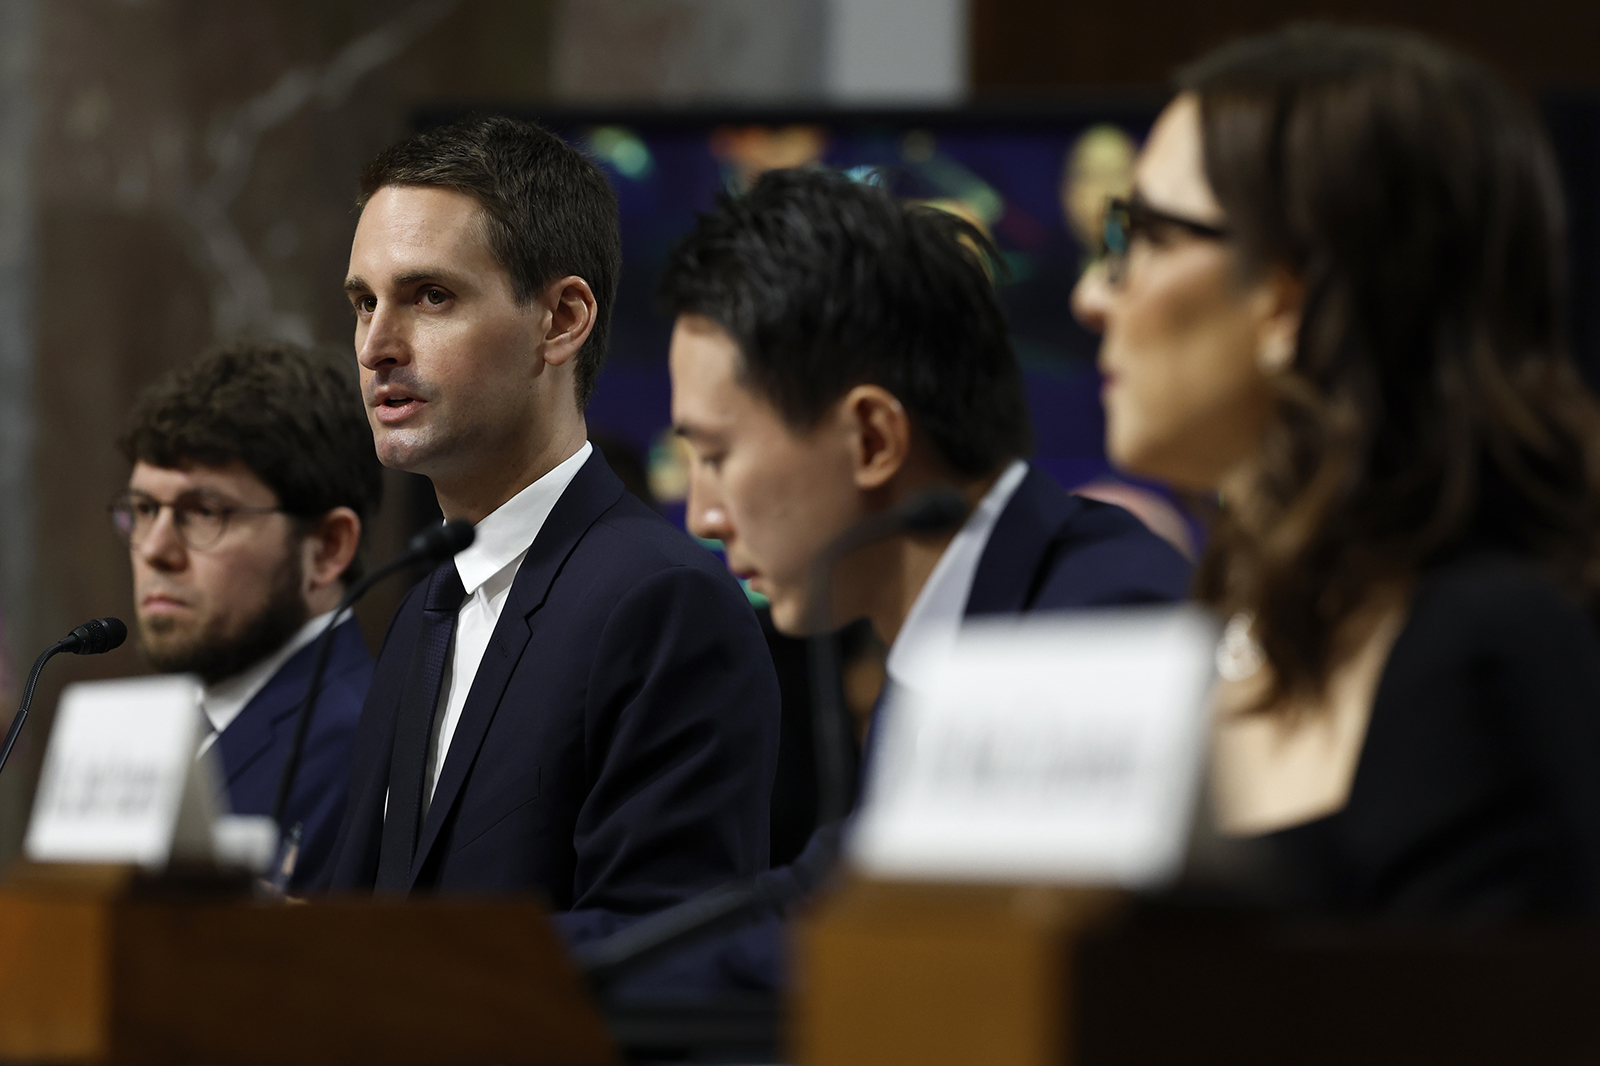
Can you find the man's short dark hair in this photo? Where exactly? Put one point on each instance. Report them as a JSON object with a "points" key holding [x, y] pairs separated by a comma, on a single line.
{"points": [[293, 417], [826, 283], [549, 210]]}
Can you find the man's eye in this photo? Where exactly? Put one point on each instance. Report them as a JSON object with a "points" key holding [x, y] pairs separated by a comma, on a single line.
{"points": [[366, 304], [1155, 234], [435, 296], [145, 508]]}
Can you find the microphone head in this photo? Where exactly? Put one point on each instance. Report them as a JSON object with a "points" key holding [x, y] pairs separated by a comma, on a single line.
{"points": [[934, 511], [437, 543], [97, 636]]}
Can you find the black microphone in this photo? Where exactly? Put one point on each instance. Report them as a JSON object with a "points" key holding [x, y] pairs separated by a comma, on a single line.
{"points": [[434, 544], [934, 510], [95, 637], [735, 903]]}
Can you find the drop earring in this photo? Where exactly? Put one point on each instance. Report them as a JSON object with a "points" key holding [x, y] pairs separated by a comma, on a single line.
{"points": [[1275, 354]]}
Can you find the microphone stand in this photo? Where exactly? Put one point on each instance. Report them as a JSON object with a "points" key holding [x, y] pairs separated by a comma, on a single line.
{"points": [[830, 720], [436, 542], [665, 933], [932, 511], [27, 699], [92, 638], [319, 666], [734, 903]]}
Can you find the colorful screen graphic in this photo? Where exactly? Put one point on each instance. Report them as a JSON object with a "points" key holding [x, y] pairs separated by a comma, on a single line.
{"points": [[1036, 181]]}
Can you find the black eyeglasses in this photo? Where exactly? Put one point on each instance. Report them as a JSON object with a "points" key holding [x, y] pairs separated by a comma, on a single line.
{"points": [[1127, 219], [200, 518]]}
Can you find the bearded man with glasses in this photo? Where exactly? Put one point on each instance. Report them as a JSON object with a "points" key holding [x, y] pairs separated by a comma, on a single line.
{"points": [[253, 475]]}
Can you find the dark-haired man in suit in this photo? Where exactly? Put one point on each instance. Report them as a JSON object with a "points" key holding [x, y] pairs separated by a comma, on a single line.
{"points": [[581, 704], [837, 353], [253, 474]]}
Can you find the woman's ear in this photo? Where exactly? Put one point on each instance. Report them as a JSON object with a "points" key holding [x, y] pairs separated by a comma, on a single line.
{"points": [[881, 433], [1282, 299], [573, 313]]}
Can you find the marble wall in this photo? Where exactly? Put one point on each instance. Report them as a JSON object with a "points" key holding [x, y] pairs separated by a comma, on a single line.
{"points": [[688, 51]]}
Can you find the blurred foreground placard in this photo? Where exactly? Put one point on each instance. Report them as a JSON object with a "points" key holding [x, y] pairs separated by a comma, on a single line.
{"points": [[1061, 749], [120, 781]]}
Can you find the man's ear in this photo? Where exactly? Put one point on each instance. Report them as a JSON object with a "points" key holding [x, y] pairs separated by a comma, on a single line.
{"points": [[330, 548], [573, 312], [880, 432]]}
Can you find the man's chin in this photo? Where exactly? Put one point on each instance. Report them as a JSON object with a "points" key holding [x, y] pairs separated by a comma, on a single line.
{"points": [[789, 615], [405, 448], [170, 653]]}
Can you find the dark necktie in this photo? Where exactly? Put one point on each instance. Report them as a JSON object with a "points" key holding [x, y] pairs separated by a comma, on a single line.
{"points": [[414, 728]]}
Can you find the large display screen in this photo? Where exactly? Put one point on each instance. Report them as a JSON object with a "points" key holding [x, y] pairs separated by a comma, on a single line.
{"points": [[1035, 180]]}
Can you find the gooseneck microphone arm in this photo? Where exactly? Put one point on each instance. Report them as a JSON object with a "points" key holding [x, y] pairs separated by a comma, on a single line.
{"points": [[735, 903], [92, 638], [434, 544], [935, 510], [27, 700], [665, 933]]}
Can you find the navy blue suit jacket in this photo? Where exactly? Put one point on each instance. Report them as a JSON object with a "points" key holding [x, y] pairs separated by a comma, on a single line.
{"points": [[618, 743], [1053, 551], [1049, 551], [255, 743]]}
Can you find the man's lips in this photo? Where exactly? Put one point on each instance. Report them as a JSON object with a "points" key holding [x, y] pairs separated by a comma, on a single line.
{"points": [[160, 603], [396, 410], [392, 404]]}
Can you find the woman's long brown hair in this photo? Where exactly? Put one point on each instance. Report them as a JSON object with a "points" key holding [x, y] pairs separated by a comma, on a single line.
{"points": [[1431, 405]]}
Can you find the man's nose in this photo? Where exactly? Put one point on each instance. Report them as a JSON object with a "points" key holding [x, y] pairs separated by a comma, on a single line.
{"points": [[1091, 297], [162, 547], [706, 514], [381, 341]]}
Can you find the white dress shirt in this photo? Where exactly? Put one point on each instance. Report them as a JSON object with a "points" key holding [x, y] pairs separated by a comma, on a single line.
{"points": [[487, 569], [223, 701], [935, 617]]}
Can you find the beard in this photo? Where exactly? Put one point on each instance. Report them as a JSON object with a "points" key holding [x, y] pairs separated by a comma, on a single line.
{"points": [[214, 654]]}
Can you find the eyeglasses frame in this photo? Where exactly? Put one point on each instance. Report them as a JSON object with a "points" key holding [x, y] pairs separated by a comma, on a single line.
{"points": [[1142, 216], [225, 511]]}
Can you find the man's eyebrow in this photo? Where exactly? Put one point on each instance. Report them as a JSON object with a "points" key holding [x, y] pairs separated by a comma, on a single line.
{"points": [[355, 283], [439, 274], [690, 432]]}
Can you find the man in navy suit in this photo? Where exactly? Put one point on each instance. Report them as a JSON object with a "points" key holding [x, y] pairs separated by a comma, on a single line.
{"points": [[836, 354], [253, 473], [581, 704]]}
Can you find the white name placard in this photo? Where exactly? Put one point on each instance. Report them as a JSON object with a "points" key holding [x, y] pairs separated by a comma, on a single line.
{"points": [[120, 781], [1064, 748]]}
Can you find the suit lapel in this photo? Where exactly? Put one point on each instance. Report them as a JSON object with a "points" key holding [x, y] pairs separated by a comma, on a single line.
{"points": [[250, 735], [593, 491], [1020, 546]]}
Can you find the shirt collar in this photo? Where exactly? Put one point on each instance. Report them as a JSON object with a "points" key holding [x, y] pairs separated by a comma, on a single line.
{"points": [[504, 536], [223, 701], [935, 616]]}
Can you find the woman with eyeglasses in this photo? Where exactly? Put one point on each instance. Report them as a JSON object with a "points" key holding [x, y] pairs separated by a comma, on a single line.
{"points": [[1334, 304]]}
